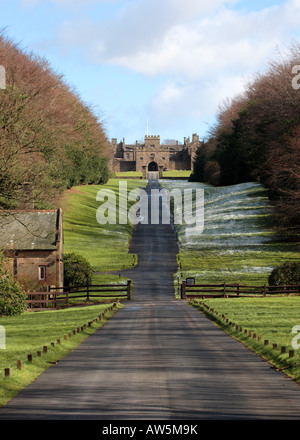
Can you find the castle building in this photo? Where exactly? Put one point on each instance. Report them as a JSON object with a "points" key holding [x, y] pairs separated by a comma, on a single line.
{"points": [[151, 155]]}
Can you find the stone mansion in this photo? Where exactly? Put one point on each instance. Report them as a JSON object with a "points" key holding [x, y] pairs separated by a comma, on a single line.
{"points": [[154, 156]]}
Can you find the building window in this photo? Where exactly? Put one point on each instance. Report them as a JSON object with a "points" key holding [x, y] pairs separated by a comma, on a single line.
{"points": [[42, 273], [127, 156], [141, 158], [163, 158]]}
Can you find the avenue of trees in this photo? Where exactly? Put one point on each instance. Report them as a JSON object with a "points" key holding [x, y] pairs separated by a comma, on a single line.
{"points": [[48, 136], [257, 138]]}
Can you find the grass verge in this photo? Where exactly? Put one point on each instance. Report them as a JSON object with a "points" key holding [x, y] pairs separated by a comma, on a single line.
{"points": [[252, 321], [29, 333]]}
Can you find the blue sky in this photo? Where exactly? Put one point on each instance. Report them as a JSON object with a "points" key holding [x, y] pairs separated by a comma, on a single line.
{"points": [[168, 62]]}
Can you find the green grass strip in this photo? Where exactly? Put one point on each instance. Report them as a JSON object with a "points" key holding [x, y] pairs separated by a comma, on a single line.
{"points": [[268, 319], [30, 332]]}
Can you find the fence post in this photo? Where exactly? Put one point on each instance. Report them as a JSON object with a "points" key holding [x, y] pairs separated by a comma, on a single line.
{"points": [[129, 290], [87, 292], [238, 290], [265, 291], [224, 290], [183, 290]]}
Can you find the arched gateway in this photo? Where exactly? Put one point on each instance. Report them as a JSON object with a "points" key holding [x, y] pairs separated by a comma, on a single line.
{"points": [[153, 167]]}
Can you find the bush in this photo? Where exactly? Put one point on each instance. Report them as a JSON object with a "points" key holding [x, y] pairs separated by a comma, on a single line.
{"points": [[77, 270], [286, 274], [12, 296]]}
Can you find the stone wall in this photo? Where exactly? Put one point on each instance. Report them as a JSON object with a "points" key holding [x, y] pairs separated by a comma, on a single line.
{"points": [[25, 265]]}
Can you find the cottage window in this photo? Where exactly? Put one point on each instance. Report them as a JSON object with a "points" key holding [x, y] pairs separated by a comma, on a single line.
{"points": [[42, 273]]}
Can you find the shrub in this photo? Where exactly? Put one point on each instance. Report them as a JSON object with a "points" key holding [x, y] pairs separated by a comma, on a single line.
{"points": [[77, 270], [12, 296], [285, 274]]}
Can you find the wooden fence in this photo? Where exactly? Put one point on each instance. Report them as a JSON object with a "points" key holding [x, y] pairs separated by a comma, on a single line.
{"points": [[61, 297], [202, 291]]}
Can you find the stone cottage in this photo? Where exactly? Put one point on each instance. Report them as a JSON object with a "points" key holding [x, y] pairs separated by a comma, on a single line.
{"points": [[33, 242]]}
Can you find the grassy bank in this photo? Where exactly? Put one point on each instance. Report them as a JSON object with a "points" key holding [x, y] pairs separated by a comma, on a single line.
{"points": [[250, 267], [239, 243], [105, 246], [268, 319], [30, 332]]}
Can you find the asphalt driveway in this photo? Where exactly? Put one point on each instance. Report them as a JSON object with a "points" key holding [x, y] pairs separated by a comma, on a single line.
{"points": [[158, 359]]}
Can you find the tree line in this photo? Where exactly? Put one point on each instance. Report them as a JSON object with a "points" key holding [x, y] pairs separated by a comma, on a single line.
{"points": [[257, 138], [48, 136]]}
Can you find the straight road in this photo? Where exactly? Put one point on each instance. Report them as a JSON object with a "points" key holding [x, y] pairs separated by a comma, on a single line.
{"points": [[158, 359]]}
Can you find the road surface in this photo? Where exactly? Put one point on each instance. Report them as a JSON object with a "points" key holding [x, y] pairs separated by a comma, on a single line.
{"points": [[158, 359]]}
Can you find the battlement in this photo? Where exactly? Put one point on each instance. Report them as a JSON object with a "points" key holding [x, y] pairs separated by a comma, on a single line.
{"points": [[152, 141]]}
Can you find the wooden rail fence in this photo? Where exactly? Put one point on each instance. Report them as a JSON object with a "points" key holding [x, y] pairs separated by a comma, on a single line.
{"points": [[60, 297], [202, 291]]}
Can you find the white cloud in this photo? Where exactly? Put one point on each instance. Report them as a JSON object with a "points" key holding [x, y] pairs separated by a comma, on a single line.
{"points": [[191, 39], [210, 59], [197, 100], [226, 40], [203, 50]]}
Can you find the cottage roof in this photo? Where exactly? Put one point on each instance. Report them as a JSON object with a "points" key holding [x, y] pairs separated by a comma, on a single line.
{"points": [[29, 230]]}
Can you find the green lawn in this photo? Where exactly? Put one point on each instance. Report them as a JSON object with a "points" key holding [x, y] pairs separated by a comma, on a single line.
{"points": [[105, 246], [271, 318], [30, 332], [129, 174], [183, 174], [243, 266], [178, 174]]}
